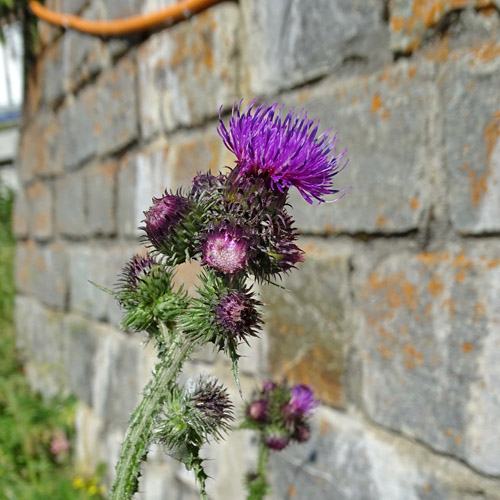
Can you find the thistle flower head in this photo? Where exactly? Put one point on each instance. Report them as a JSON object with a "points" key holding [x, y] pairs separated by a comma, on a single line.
{"points": [[165, 213], [226, 250], [236, 313], [276, 439], [211, 402], [137, 268], [258, 410], [303, 401], [287, 150]]}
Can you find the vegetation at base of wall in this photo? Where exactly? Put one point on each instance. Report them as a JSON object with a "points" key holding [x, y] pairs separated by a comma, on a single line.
{"points": [[35, 436]]}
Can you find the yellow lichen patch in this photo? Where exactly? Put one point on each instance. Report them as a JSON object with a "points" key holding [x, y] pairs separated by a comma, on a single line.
{"points": [[414, 204], [376, 103], [479, 311], [492, 133], [487, 52], [478, 186], [433, 259], [435, 287], [413, 357], [450, 305], [380, 221], [467, 347], [460, 276], [397, 23], [292, 491]]}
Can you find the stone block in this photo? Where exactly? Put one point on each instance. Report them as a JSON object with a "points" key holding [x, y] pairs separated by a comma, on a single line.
{"points": [[53, 88], [347, 460], [71, 217], [387, 122], [411, 21], [471, 111], [21, 216], [103, 119], [306, 322], [50, 274], [41, 341], [40, 150], [429, 343], [41, 271], [81, 357], [287, 43], [101, 194], [84, 55], [40, 199], [188, 71]]}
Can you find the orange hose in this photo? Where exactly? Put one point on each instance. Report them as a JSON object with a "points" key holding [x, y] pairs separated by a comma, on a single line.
{"points": [[179, 10]]}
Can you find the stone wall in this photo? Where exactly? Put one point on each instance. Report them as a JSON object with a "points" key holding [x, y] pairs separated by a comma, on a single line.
{"points": [[394, 317]]}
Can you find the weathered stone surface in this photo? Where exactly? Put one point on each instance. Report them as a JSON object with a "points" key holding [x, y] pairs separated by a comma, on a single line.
{"points": [[472, 138], [40, 149], [188, 71], [40, 201], [390, 145], [52, 74], [41, 341], [21, 215], [430, 345], [346, 460], [306, 322], [290, 42], [101, 194], [71, 217], [409, 20], [42, 271], [117, 365], [103, 119]]}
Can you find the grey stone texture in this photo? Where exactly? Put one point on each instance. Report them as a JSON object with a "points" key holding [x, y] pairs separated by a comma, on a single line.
{"points": [[187, 72], [291, 42], [392, 318]]}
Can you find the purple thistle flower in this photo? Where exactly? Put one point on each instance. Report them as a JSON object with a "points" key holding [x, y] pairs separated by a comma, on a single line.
{"points": [[269, 386], [226, 250], [287, 150], [276, 439], [302, 402], [163, 215], [257, 410]]}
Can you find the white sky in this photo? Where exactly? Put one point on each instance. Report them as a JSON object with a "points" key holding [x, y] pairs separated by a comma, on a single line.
{"points": [[11, 67]]}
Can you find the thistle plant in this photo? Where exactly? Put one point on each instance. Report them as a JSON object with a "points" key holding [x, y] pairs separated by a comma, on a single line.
{"points": [[236, 225], [280, 415]]}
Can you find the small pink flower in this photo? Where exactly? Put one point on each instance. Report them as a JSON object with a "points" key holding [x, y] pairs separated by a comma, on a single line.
{"points": [[59, 443]]}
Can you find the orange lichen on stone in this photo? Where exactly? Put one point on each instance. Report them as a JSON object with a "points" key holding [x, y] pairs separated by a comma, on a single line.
{"points": [[385, 351], [386, 114], [478, 186], [433, 259], [414, 204], [412, 70], [467, 347], [292, 491], [460, 276], [487, 52], [397, 23], [450, 305], [325, 427], [376, 103], [412, 356], [479, 311], [493, 263], [380, 221], [439, 51], [396, 284], [492, 133], [435, 287]]}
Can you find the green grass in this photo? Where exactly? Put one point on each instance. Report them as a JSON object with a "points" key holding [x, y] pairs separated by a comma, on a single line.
{"points": [[29, 469]]}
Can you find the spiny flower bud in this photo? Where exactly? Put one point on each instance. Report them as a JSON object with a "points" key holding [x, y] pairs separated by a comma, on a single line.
{"points": [[258, 410], [162, 216], [137, 268], [236, 314], [302, 433], [226, 250], [276, 439]]}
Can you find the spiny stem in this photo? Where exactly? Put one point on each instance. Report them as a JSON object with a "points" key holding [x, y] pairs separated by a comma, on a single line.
{"points": [[258, 486], [137, 440]]}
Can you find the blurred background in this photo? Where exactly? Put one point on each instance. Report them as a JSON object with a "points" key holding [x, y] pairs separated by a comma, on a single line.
{"points": [[394, 317]]}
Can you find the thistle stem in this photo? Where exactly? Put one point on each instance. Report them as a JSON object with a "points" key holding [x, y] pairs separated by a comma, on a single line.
{"points": [[139, 433], [258, 487]]}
